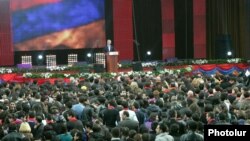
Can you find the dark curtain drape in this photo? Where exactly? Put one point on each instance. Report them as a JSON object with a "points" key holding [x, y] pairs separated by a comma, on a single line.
{"points": [[227, 28], [183, 10], [147, 29], [109, 19]]}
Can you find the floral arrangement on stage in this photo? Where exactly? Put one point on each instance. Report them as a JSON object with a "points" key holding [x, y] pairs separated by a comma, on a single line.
{"points": [[105, 74], [157, 67]]}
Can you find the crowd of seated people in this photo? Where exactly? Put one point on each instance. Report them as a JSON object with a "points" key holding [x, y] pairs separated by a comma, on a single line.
{"points": [[136, 107]]}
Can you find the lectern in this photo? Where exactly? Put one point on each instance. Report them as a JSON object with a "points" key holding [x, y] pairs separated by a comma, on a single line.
{"points": [[111, 61]]}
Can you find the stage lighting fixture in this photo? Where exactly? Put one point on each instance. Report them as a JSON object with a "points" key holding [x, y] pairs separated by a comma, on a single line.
{"points": [[229, 53], [89, 55], [148, 53], [40, 57]]}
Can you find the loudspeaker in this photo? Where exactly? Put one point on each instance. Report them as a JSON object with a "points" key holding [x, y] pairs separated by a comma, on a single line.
{"points": [[223, 44], [137, 66], [99, 68]]}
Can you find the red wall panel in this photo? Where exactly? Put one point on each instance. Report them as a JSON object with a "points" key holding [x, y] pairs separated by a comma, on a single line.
{"points": [[199, 26], [6, 47], [123, 28], [168, 32]]}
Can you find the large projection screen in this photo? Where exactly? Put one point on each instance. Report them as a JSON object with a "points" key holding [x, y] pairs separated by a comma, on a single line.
{"points": [[57, 24]]}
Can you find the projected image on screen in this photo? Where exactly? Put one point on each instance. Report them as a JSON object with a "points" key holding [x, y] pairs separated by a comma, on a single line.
{"points": [[57, 24]]}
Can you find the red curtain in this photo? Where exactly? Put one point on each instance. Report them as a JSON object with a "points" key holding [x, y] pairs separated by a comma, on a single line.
{"points": [[123, 28], [6, 47], [199, 27], [168, 32]]}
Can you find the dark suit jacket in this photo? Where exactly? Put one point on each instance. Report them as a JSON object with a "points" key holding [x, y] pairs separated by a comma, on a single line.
{"points": [[131, 124], [106, 49]]}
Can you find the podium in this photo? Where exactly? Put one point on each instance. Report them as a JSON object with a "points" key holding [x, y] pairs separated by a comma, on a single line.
{"points": [[111, 61]]}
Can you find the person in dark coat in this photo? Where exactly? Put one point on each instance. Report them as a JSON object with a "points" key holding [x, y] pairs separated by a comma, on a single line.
{"points": [[115, 132], [111, 115], [38, 128], [73, 122], [109, 47], [127, 122], [12, 135]]}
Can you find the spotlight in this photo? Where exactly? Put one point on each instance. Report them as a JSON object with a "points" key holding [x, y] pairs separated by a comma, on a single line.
{"points": [[40, 57], [89, 55], [229, 53], [148, 53]]}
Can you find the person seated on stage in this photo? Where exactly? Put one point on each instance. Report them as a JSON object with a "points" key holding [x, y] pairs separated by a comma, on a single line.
{"points": [[109, 47]]}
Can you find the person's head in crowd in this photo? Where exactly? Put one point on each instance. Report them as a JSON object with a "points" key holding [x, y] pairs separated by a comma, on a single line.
{"points": [[190, 94], [195, 108], [246, 94], [196, 117], [125, 115], [135, 105], [146, 137], [201, 95], [24, 127], [217, 88], [64, 129], [112, 103], [208, 107], [192, 125], [45, 99], [222, 116], [159, 103], [201, 103], [88, 127], [32, 114], [77, 136], [154, 125], [39, 119], [49, 119], [124, 132], [156, 94], [96, 127], [172, 114], [197, 91], [12, 128], [101, 99], [201, 86], [50, 136], [174, 129], [68, 104], [71, 115], [165, 98], [115, 132], [12, 106], [215, 100], [143, 129], [136, 137], [190, 101], [125, 104], [153, 117], [161, 128], [223, 96], [82, 99]]}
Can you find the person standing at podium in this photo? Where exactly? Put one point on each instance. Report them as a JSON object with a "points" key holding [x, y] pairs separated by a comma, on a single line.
{"points": [[109, 47]]}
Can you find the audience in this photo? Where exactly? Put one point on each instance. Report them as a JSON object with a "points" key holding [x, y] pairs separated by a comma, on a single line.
{"points": [[131, 107]]}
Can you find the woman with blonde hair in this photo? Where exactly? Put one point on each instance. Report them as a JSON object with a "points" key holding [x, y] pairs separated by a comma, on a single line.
{"points": [[25, 130]]}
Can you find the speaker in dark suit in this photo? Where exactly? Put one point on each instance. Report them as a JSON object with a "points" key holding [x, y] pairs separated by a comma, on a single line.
{"points": [[109, 47]]}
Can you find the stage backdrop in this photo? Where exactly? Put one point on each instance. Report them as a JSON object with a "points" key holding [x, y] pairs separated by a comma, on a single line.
{"points": [[58, 24]]}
